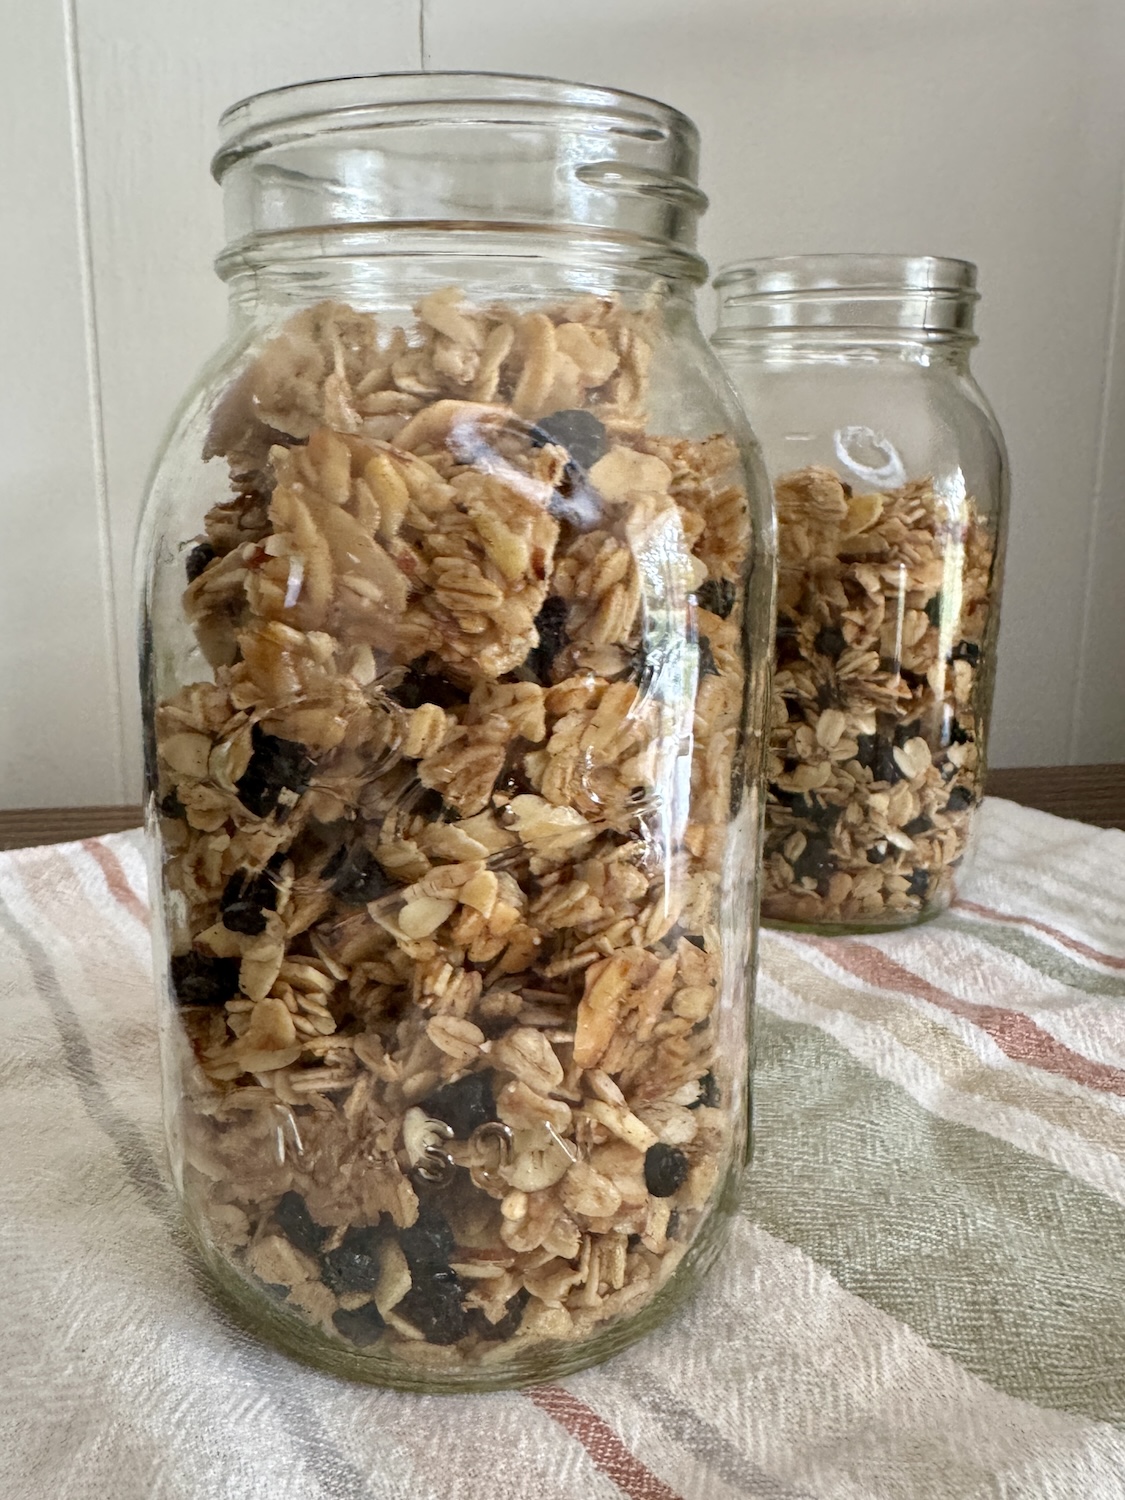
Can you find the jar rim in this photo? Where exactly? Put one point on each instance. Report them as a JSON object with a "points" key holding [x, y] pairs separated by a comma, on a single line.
{"points": [[293, 111], [849, 272]]}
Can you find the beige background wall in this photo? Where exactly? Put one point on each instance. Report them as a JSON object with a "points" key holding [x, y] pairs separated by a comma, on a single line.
{"points": [[993, 129]]}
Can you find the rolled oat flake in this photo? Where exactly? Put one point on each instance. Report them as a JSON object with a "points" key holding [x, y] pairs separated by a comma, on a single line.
{"points": [[459, 596], [891, 486]]}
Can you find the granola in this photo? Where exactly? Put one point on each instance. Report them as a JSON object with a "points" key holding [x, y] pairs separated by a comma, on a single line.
{"points": [[875, 754], [443, 837]]}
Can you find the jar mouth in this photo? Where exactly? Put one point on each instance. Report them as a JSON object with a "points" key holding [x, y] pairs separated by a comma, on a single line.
{"points": [[455, 151], [930, 295], [297, 110]]}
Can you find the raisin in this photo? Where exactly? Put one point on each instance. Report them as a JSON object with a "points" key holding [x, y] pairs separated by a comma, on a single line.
{"points": [[707, 667], [904, 732], [276, 765], [829, 641], [718, 596], [579, 432], [433, 1306], [966, 651], [877, 853], [666, 1169], [197, 559], [354, 1265], [933, 611], [508, 1326], [959, 735], [245, 900], [709, 1095], [918, 825], [877, 754], [361, 1325], [815, 859], [824, 814], [418, 687], [960, 798], [919, 883], [356, 876], [200, 979], [550, 623], [429, 1241], [172, 807], [432, 806], [464, 1104], [828, 695], [297, 1225]]}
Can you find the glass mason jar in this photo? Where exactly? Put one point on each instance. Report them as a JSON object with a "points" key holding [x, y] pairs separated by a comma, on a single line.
{"points": [[457, 622], [891, 487]]}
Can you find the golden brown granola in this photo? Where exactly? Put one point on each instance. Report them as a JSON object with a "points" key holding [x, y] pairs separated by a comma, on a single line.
{"points": [[875, 749], [443, 837]]}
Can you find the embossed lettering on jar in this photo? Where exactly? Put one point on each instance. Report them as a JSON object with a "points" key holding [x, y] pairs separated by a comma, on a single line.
{"points": [[890, 480], [456, 627]]}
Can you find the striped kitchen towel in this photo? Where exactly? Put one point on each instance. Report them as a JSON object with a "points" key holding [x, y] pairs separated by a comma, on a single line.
{"points": [[924, 1295]]}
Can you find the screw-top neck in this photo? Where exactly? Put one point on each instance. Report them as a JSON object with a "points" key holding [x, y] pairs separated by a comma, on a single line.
{"points": [[872, 299], [604, 174]]}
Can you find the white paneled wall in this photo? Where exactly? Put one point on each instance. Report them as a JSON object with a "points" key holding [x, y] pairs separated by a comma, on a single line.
{"points": [[993, 129]]}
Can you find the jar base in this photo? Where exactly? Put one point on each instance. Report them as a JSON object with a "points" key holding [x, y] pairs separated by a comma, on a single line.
{"points": [[853, 929], [547, 1361]]}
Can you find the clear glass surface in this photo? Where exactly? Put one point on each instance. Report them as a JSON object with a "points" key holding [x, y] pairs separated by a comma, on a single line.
{"points": [[457, 615], [890, 483]]}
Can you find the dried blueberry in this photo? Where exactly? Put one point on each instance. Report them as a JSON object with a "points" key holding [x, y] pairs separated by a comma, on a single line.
{"points": [[197, 559], [550, 624], [960, 798], [707, 667], [361, 1325], [933, 611], [718, 596], [919, 883], [429, 1241], [200, 979], [966, 651], [920, 824], [666, 1169], [959, 735], [829, 640], [245, 900], [419, 687], [904, 732], [709, 1096], [276, 765], [877, 754], [579, 432], [878, 852], [815, 859], [464, 1104], [354, 1265], [172, 807], [432, 806], [297, 1225], [508, 1325], [356, 876], [433, 1306]]}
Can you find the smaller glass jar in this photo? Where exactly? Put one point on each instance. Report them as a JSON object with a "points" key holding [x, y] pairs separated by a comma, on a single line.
{"points": [[891, 484]]}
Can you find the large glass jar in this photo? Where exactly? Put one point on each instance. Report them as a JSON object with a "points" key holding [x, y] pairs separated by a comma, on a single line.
{"points": [[891, 486], [457, 624]]}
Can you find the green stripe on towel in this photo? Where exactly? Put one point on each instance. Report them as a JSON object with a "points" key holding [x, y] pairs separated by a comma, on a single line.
{"points": [[1001, 1261]]}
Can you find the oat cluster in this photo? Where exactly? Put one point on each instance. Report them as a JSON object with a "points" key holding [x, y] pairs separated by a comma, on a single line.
{"points": [[443, 836], [875, 756]]}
